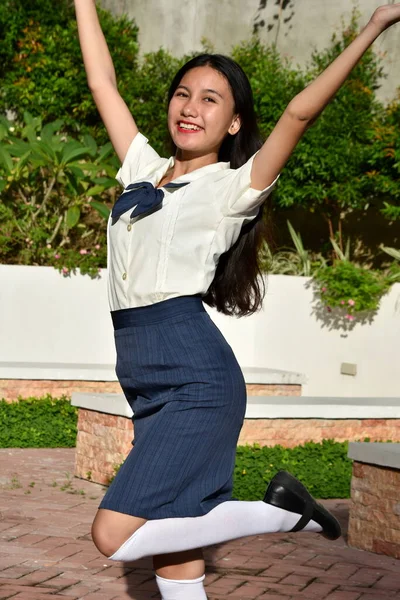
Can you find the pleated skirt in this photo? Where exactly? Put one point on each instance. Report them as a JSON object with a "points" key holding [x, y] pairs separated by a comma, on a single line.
{"points": [[188, 397]]}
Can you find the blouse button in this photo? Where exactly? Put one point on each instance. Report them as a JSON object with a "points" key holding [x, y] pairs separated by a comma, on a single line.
{"points": [[129, 227], [124, 276]]}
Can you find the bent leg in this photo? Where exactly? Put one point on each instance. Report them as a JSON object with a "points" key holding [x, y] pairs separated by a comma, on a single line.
{"points": [[110, 529], [230, 520]]}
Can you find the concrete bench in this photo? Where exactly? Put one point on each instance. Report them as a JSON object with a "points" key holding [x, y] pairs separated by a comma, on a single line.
{"points": [[374, 523]]}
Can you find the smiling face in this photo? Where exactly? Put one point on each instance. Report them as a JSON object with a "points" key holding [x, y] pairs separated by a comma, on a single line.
{"points": [[201, 113]]}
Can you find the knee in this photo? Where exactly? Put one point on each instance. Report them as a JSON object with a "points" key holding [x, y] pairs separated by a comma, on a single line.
{"points": [[103, 540], [110, 530]]}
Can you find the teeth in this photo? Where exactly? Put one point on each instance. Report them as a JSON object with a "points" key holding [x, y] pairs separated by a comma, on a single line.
{"points": [[188, 126]]}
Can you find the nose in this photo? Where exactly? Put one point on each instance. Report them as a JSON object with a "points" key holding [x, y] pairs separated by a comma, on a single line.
{"points": [[190, 109]]}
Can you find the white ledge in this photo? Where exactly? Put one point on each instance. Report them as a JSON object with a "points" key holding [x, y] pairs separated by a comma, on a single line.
{"points": [[377, 453], [269, 407], [57, 371], [261, 376], [103, 372], [308, 407], [111, 404]]}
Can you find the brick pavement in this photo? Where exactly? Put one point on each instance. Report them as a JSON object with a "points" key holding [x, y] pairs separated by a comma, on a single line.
{"points": [[46, 552]]}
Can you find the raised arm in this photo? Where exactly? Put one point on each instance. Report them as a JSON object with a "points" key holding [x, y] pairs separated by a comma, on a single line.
{"points": [[100, 72], [304, 109]]}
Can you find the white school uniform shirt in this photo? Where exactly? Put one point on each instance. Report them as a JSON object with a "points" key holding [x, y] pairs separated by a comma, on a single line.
{"points": [[174, 251]]}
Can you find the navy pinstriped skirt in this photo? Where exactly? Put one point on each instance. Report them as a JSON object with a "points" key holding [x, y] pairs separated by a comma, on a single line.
{"points": [[188, 396]]}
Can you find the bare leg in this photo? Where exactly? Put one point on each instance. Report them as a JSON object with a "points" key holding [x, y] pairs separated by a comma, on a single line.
{"points": [[180, 565], [110, 529]]}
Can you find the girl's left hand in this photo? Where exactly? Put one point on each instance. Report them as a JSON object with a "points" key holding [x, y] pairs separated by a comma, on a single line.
{"points": [[386, 15]]}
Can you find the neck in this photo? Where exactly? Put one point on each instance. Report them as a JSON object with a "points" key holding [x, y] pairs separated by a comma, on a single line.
{"points": [[186, 162]]}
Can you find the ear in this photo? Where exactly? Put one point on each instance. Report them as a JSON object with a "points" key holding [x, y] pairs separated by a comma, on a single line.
{"points": [[235, 125]]}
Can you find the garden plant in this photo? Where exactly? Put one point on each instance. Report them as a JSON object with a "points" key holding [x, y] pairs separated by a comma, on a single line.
{"points": [[57, 171]]}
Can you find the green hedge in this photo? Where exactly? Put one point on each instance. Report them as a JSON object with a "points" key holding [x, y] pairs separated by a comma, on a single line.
{"points": [[38, 423], [323, 468]]}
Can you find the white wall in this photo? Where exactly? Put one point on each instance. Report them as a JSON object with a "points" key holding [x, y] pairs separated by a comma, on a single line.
{"points": [[56, 327], [300, 27]]}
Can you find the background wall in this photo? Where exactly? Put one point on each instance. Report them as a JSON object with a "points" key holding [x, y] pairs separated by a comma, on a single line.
{"points": [[53, 327], [296, 26]]}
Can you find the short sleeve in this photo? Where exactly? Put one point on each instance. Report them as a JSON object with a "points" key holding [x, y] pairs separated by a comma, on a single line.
{"points": [[241, 198], [140, 154]]}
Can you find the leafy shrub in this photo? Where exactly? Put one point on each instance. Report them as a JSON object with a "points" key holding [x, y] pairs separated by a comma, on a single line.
{"points": [[355, 289], [346, 163], [41, 65], [288, 261], [51, 185], [274, 82], [323, 468], [348, 290], [38, 423], [383, 176], [328, 171]]}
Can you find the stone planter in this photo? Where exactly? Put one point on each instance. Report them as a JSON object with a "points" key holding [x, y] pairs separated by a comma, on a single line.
{"points": [[374, 523]]}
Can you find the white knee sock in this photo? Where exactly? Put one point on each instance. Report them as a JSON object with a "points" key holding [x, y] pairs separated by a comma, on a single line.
{"points": [[228, 521], [185, 589]]}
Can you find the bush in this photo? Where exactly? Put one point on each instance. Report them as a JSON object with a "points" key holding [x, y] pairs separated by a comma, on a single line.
{"points": [[38, 423], [344, 285], [323, 468], [346, 163], [41, 66], [328, 171], [53, 187]]}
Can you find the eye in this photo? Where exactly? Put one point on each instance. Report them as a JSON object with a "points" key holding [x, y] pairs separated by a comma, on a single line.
{"points": [[180, 93], [209, 99]]}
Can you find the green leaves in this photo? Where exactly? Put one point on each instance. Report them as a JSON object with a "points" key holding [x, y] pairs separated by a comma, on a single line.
{"points": [[323, 468], [72, 216], [102, 209], [48, 181], [348, 162], [38, 423], [6, 160], [392, 252], [350, 288], [288, 261], [301, 252], [41, 63]]}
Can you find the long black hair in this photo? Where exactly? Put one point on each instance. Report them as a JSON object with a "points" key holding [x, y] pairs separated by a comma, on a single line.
{"points": [[238, 287]]}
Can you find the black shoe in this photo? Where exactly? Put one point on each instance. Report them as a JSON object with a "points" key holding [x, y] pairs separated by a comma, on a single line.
{"points": [[285, 491]]}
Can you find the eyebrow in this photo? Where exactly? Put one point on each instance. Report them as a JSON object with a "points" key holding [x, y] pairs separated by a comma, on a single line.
{"points": [[206, 90]]}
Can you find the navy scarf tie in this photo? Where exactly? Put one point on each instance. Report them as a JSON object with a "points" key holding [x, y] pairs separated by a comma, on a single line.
{"points": [[143, 196]]}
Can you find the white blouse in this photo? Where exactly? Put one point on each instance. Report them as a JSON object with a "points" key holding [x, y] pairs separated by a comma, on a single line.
{"points": [[174, 251]]}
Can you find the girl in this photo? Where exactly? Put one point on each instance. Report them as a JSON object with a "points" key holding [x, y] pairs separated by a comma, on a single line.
{"points": [[187, 230]]}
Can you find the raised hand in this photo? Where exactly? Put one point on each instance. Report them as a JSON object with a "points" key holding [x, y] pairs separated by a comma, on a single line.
{"points": [[387, 15]]}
